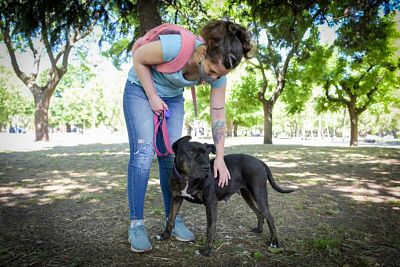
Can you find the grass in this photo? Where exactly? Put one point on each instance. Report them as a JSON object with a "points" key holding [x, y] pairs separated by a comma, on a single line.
{"points": [[67, 206]]}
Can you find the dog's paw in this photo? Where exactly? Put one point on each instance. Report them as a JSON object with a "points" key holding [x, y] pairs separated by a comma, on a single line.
{"points": [[163, 236], [257, 230], [274, 247], [206, 252]]}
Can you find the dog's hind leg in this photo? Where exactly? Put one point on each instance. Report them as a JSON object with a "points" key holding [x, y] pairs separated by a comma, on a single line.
{"points": [[248, 197], [261, 198]]}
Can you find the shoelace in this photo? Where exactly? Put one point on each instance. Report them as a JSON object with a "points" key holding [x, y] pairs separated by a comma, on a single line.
{"points": [[138, 228], [179, 221]]}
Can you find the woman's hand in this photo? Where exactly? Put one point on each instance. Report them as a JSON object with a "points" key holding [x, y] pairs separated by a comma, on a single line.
{"points": [[157, 105], [221, 169]]}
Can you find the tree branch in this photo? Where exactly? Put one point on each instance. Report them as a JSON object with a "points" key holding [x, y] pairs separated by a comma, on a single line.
{"points": [[331, 98], [11, 51], [369, 97], [36, 58], [45, 36], [261, 67], [365, 73]]}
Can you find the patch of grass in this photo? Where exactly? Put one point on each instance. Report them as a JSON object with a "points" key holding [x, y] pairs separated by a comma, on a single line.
{"points": [[321, 224], [57, 197], [332, 211], [395, 203], [3, 251], [92, 197], [396, 244], [157, 211], [258, 255], [328, 245]]}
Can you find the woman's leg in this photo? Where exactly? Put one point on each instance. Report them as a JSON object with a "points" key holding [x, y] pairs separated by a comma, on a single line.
{"points": [[174, 125], [139, 122]]}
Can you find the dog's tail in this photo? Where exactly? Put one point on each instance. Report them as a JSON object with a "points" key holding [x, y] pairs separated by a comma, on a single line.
{"points": [[273, 183]]}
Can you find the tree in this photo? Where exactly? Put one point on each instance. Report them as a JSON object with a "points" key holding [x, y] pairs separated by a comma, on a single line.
{"points": [[240, 108], [58, 25], [363, 69], [12, 104], [52, 28], [289, 28], [73, 101]]}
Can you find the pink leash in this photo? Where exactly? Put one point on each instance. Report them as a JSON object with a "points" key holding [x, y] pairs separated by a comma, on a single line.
{"points": [[160, 123]]}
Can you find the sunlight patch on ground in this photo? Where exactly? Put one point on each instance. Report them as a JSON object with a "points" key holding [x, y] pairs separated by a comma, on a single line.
{"points": [[154, 181], [280, 164], [105, 153], [305, 182], [354, 190], [300, 174], [340, 177], [31, 191], [369, 191]]}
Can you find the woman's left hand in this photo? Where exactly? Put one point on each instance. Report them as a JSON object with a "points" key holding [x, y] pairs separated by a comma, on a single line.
{"points": [[221, 169]]}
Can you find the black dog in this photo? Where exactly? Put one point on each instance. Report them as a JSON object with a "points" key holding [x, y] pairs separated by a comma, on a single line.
{"points": [[193, 180]]}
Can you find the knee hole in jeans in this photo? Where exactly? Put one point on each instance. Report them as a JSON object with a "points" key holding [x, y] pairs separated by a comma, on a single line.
{"points": [[143, 155]]}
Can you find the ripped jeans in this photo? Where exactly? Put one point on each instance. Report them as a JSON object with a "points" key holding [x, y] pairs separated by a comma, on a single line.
{"points": [[139, 122]]}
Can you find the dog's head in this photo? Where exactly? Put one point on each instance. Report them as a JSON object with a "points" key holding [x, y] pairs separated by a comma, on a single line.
{"points": [[192, 158]]}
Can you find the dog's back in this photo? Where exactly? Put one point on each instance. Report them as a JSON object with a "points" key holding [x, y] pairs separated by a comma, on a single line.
{"points": [[246, 171]]}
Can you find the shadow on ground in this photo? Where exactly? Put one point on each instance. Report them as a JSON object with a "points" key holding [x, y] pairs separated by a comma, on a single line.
{"points": [[67, 206]]}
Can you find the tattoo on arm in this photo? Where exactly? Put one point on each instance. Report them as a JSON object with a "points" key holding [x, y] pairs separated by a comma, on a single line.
{"points": [[218, 131]]}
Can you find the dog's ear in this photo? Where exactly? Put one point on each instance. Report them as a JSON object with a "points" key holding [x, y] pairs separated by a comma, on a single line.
{"points": [[211, 148], [179, 142]]}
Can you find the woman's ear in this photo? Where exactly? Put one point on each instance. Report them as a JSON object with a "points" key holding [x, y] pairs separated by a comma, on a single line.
{"points": [[211, 148]]}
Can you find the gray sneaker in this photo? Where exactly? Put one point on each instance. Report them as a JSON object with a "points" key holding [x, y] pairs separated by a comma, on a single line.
{"points": [[138, 238], [181, 232]]}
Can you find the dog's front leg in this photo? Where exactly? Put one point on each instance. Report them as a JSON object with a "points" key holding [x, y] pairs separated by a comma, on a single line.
{"points": [[211, 210], [176, 203]]}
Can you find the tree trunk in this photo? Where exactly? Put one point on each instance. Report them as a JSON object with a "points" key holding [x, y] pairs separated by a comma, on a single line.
{"points": [[267, 106], [229, 128], [149, 17], [235, 130], [320, 134], [344, 124], [41, 117], [353, 124]]}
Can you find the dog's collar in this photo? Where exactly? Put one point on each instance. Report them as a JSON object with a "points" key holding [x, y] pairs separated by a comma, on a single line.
{"points": [[178, 174]]}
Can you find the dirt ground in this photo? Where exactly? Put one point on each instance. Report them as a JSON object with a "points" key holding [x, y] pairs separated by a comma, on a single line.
{"points": [[67, 206]]}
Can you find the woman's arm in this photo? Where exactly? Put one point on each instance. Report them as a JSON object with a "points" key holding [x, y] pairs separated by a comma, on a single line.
{"points": [[218, 126], [145, 56]]}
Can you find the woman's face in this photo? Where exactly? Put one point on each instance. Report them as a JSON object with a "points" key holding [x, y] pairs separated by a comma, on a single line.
{"points": [[209, 71], [214, 70]]}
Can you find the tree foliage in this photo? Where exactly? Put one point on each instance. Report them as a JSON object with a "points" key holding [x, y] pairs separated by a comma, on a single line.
{"points": [[12, 103], [363, 68], [53, 28], [242, 108]]}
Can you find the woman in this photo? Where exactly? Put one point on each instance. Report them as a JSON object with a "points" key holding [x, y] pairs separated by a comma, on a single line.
{"points": [[148, 92]]}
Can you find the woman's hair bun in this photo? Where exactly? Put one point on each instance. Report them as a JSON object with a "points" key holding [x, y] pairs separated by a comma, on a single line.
{"points": [[227, 41]]}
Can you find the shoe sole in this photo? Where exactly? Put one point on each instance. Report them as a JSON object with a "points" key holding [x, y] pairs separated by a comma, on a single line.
{"points": [[141, 250], [181, 239]]}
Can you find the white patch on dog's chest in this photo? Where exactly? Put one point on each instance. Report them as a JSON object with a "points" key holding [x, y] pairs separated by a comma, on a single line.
{"points": [[185, 193]]}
